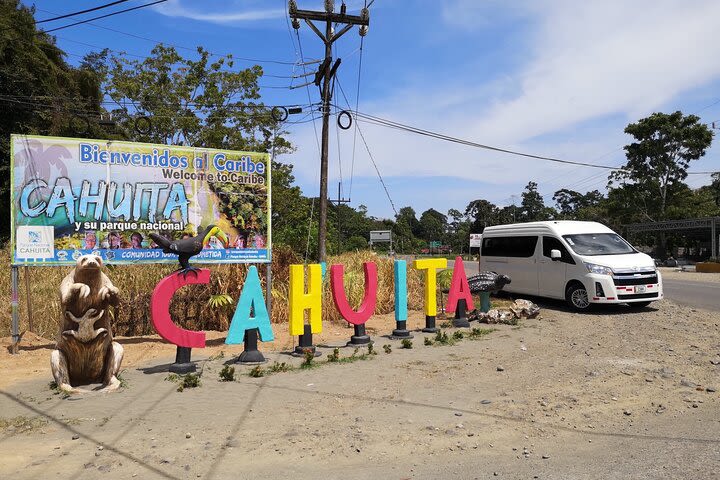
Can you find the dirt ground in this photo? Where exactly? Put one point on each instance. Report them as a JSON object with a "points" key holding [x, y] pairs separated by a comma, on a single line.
{"points": [[610, 394]]}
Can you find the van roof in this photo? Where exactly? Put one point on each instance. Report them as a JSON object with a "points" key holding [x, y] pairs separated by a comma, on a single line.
{"points": [[559, 227]]}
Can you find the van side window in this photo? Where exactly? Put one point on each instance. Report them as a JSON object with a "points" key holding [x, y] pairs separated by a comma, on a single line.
{"points": [[509, 246], [552, 243]]}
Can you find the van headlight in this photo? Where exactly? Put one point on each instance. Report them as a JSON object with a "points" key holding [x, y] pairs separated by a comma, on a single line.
{"points": [[599, 269]]}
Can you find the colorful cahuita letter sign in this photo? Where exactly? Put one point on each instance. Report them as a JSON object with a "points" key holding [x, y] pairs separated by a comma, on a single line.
{"points": [[251, 300], [459, 288], [401, 311], [300, 301], [430, 265], [160, 309], [367, 308]]}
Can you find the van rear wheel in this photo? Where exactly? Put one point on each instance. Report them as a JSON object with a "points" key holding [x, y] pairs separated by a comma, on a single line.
{"points": [[577, 297]]}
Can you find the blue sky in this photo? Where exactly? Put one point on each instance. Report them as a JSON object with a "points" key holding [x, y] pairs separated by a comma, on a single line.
{"points": [[558, 78]]}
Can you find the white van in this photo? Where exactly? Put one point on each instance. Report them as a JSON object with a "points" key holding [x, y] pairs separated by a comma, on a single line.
{"points": [[581, 262]]}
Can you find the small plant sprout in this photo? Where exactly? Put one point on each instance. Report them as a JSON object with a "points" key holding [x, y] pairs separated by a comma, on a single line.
{"points": [[280, 367], [334, 356], [227, 374], [428, 341], [257, 372], [371, 349], [309, 360], [406, 343], [387, 348], [458, 335]]}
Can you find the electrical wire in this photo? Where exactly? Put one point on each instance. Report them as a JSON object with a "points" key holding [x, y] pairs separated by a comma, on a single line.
{"points": [[183, 47], [372, 159], [105, 16], [357, 103], [100, 7]]}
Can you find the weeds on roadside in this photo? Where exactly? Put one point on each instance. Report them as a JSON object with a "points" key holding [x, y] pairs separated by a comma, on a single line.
{"points": [[121, 377], [442, 338], [458, 335], [309, 360], [189, 380], [371, 349], [257, 372], [334, 356], [227, 374], [477, 333], [406, 343], [280, 367], [387, 348]]}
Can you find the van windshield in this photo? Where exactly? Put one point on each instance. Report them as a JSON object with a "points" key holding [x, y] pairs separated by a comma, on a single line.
{"points": [[598, 244]]}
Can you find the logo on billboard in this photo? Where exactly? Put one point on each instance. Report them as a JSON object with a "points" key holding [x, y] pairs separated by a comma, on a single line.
{"points": [[35, 242]]}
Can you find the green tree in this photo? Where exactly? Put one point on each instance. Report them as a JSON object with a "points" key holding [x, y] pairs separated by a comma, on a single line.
{"points": [[433, 225], [572, 205], [659, 158], [657, 163], [533, 206], [483, 214]]}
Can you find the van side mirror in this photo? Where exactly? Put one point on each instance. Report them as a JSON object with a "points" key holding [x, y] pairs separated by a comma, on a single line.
{"points": [[555, 254]]}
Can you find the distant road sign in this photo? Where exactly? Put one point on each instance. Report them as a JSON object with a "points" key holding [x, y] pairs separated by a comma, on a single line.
{"points": [[380, 236], [475, 240], [435, 244]]}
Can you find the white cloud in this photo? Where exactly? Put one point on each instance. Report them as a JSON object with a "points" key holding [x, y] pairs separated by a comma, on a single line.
{"points": [[246, 12]]}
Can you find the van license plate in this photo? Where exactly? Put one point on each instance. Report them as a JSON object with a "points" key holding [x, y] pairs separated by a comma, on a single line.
{"points": [[640, 289]]}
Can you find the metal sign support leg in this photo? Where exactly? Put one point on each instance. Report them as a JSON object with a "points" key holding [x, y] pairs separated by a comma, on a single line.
{"points": [[14, 277]]}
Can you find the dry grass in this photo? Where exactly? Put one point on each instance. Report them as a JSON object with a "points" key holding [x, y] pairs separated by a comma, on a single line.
{"points": [[190, 307]]}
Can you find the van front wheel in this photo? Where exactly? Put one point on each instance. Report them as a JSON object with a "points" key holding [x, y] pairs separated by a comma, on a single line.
{"points": [[577, 297]]}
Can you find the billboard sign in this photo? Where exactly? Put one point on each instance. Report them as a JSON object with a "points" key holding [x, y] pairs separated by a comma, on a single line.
{"points": [[380, 236], [76, 196], [475, 240]]}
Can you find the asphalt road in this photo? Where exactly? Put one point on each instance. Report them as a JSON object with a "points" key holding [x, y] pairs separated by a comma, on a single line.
{"points": [[695, 294]]}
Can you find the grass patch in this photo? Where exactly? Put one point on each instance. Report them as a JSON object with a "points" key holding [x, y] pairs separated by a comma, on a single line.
{"points": [[428, 341], [22, 424], [189, 380], [406, 343], [257, 372], [309, 360], [227, 374], [477, 333], [445, 324], [442, 338], [280, 367], [334, 356], [121, 378]]}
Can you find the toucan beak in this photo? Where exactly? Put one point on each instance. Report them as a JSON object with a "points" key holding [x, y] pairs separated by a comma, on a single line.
{"points": [[223, 238]]}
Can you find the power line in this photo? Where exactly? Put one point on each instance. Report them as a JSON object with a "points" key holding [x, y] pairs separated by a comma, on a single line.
{"points": [[80, 12], [408, 128], [181, 47], [372, 159], [105, 16]]}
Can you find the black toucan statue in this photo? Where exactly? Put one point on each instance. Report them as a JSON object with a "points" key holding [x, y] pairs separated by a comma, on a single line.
{"points": [[487, 282], [189, 247]]}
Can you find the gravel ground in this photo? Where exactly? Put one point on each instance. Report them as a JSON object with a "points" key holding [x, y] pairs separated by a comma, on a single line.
{"points": [[610, 394], [677, 274]]}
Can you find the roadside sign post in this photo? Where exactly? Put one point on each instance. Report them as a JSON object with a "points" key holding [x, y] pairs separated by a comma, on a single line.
{"points": [[381, 236]]}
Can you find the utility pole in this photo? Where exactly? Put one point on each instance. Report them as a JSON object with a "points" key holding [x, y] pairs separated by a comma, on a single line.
{"points": [[326, 73]]}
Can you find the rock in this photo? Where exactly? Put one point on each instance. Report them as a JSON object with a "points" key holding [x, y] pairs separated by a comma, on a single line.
{"points": [[500, 368], [545, 457], [188, 435], [627, 412], [710, 389], [485, 402], [715, 362], [687, 383], [100, 447], [458, 414], [75, 437]]}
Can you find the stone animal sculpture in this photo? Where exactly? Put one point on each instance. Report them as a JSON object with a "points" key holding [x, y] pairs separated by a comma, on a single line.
{"points": [[487, 282], [189, 247], [85, 351]]}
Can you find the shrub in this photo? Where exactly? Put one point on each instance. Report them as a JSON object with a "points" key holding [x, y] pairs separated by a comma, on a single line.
{"points": [[227, 374], [406, 343]]}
